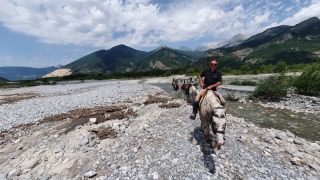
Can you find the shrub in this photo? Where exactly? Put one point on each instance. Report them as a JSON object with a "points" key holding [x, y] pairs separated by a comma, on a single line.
{"points": [[235, 82], [249, 83], [167, 73], [308, 83], [280, 67], [273, 88], [190, 72]]}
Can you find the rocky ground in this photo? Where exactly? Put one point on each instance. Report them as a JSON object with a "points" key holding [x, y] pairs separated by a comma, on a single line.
{"points": [[134, 130]]}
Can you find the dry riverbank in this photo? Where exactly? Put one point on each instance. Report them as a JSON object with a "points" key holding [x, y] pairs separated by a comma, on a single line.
{"points": [[133, 130]]}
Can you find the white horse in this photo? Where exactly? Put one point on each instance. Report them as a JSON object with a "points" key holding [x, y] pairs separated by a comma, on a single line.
{"points": [[193, 91], [212, 113]]}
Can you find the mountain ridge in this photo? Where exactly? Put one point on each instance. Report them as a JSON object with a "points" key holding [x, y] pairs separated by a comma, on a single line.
{"points": [[15, 73], [293, 44]]}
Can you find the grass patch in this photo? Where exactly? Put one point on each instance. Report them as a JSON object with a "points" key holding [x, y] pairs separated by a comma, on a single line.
{"points": [[243, 83]]}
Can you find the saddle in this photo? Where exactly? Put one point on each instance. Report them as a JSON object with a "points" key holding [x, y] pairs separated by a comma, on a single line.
{"points": [[203, 94]]}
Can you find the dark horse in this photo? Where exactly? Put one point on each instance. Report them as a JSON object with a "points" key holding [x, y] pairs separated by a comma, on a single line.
{"points": [[175, 84], [185, 87]]}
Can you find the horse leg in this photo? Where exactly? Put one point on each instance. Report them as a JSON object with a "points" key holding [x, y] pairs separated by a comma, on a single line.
{"points": [[206, 147], [206, 126]]}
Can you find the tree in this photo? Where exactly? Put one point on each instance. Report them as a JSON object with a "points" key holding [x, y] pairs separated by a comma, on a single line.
{"points": [[226, 70], [281, 67], [309, 81], [190, 71], [245, 69], [262, 69]]}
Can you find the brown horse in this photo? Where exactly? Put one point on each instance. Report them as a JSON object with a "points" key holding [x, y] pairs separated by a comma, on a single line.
{"points": [[185, 88], [175, 84], [212, 113]]}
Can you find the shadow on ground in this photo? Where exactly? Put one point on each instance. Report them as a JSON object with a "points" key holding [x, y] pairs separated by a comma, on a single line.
{"points": [[208, 160]]}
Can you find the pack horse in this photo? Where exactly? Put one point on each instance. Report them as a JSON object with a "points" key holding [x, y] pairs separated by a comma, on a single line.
{"points": [[175, 84]]}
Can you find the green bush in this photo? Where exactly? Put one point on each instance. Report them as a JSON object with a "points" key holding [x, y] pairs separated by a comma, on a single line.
{"points": [[235, 82], [273, 88], [168, 73], [249, 83], [280, 67], [308, 83], [190, 72]]}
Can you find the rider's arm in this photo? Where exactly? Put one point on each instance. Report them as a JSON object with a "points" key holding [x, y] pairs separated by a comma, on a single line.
{"points": [[214, 85], [201, 82]]}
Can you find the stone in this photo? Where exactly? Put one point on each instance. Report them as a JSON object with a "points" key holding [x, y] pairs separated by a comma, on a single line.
{"points": [[90, 174], [314, 167], [296, 161], [155, 175], [3, 176], [17, 141], [93, 121], [280, 135], [13, 173], [46, 176], [242, 138], [297, 141], [29, 164]]}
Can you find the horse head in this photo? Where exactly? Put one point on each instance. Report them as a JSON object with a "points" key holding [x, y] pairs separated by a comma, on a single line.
{"points": [[219, 123]]}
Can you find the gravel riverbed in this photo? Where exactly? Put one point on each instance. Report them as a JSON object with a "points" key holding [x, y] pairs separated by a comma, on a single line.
{"points": [[155, 139]]}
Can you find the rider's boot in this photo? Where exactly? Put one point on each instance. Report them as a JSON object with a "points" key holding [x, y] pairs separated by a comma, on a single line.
{"points": [[195, 109]]}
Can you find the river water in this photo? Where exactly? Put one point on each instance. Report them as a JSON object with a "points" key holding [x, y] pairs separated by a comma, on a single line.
{"points": [[303, 125]]}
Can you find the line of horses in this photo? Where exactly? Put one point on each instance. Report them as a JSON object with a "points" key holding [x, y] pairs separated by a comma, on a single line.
{"points": [[211, 113], [187, 88]]}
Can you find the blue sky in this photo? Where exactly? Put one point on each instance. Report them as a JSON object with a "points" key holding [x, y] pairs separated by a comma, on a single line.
{"points": [[42, 33]]}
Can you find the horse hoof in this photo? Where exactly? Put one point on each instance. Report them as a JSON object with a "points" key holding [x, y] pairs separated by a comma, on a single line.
{"points": [[217, 146], [206, 151]]}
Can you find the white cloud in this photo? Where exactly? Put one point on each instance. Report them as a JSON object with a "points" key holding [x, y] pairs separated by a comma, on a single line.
{"points": [[143, 23], [303, 14]]}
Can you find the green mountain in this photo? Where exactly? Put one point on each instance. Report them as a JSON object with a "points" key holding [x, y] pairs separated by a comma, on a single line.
{"points": [[292, 44], [122, 58], [24, 73], [166, 58]]}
